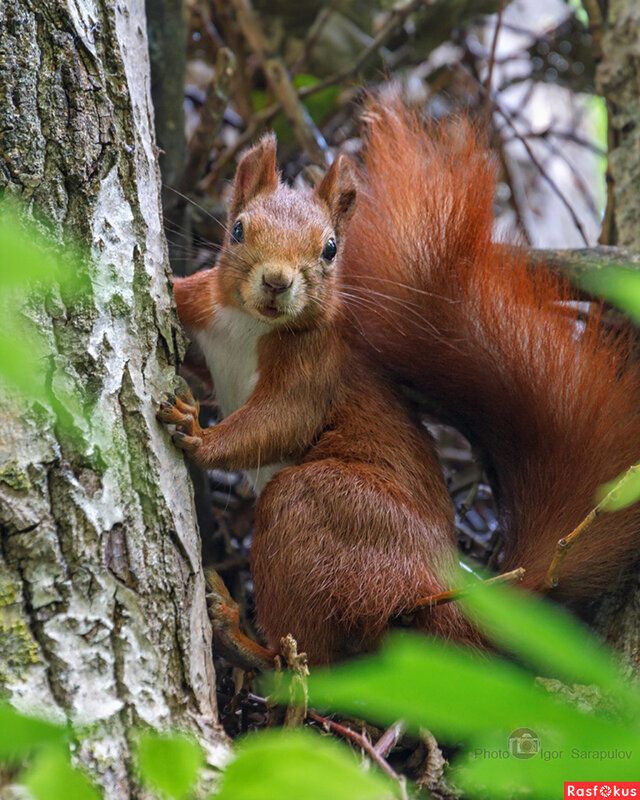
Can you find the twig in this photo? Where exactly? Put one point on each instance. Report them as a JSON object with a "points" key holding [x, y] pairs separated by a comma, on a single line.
{"points": [[518, 200], [468, 501], [305, 130], [566, 543], [596, 25], [314, 34], [569, 136], [362, 742], [297, 664], [258, 123], [280, 83], [509, 121], [581, 183], [234, 39], [492, 61], [399, 14], [390, 738], [441, 598], [211, 116]]}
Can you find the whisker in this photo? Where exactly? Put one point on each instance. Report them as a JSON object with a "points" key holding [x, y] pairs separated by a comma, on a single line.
{"points": [[415, 289]]}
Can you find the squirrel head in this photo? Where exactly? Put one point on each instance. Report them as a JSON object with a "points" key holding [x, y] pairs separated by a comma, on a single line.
{"points": [[283, 246]]}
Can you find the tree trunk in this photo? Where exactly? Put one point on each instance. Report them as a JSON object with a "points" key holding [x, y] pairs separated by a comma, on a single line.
{"points": [[102, 609], [618, 80]]}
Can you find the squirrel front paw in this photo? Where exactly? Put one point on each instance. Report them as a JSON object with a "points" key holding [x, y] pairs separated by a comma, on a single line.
{"points": [[181, 411]]}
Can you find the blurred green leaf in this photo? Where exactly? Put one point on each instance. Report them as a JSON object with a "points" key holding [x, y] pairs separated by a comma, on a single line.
{"points": [[283, 764], [480, 700], [624, 490], [21, 735], [319, 105], [490, 769], [619, 285], [27, 256], [20, 262], [546, 637], [458, 694], [28, 265], [580, 12], [51, 777], [169, 763]]}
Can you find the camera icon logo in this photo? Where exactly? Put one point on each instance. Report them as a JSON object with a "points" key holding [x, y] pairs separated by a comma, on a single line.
{"points": [[524, 743]]}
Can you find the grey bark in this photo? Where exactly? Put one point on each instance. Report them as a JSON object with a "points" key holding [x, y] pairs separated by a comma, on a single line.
{"points": [[102, 608], [167, 23], [618, 80]]}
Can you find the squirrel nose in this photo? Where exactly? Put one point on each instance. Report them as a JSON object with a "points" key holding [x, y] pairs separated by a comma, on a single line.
{"points": [[276, 284]]}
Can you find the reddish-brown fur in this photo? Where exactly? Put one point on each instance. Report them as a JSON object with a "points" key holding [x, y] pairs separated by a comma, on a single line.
{"points": [[361, 525], [555, 412]]}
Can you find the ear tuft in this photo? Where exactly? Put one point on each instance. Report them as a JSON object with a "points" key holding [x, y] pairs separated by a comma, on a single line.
{"points": [[256, 173], [338, 191]]}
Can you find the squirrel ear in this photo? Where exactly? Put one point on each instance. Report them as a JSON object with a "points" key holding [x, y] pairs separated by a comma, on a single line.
{"points": [[256, 173], [338, 190]]}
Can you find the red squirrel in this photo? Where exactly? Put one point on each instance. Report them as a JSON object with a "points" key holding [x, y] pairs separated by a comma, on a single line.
{"points": [[319, 298], [353, 519]]}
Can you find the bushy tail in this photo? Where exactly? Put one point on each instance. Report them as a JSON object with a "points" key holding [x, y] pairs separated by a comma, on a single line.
{"points": [[553, 403]]}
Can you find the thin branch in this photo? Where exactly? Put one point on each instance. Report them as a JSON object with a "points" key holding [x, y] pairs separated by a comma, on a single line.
{"points": [[362, 742], [397, 18], [306, 132], [492, 61], [518, 199], [568, 136], [390, 738], [314, 34], [596, 25], [211, 116], [259, 121], [515, 576], [565, 544], [506, 115]]}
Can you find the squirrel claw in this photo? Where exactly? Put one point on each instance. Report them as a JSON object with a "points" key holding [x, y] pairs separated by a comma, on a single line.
{"points": [[182, 412], [229, 640], [187, 443]]}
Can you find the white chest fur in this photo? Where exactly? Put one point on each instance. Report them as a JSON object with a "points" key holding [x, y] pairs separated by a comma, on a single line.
{"points": [[230, 346]]}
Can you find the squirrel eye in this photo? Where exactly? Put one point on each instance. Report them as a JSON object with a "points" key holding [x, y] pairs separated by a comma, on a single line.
{"points": [[330, 250], [237, 233]]}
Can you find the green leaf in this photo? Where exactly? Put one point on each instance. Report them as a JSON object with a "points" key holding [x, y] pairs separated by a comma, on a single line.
{"points": [[169, 763], [624, 490], [28, 264], [51, 777], [27, 255], [481, 701], [320, 104], [546, 637], [20, 260], [619, 285], [21, 735], [277, 765], [580, 11], [456, 694]]}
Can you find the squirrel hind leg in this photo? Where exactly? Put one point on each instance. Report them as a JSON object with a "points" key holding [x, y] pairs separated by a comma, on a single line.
{"points": [[335, 558]]}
